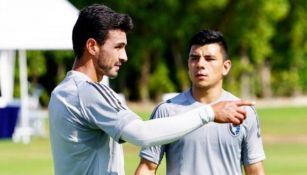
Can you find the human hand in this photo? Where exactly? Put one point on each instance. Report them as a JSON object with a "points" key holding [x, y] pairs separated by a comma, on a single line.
{"points": [[230, 111]]}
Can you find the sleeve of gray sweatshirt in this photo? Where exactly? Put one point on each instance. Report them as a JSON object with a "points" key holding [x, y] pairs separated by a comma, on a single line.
{"points": [[165, 130]]}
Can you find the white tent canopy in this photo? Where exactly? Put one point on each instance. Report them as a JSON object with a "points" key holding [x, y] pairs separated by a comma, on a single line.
{"points": [[30, 25], [36, 24]]}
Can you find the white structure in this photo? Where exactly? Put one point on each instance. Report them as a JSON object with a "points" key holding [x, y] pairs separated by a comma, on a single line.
{"points": [[30, 25]]}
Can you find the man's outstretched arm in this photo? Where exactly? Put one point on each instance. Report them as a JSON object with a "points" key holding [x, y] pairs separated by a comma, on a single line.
{"points": [[165, 130]]}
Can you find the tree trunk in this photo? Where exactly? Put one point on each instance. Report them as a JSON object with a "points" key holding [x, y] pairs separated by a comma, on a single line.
{"points": [[265, 79], [180, 68], [245, 77], [297, 91], [143, 82]]}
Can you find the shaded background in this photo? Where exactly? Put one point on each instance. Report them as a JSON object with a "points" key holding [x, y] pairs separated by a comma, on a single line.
{"points": [[267, 43]]}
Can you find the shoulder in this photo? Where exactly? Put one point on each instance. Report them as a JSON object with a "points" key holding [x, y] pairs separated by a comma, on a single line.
{"points": [[90, 88], [98, 93], [74, 82], [161, 110], [251, 114], [171, 106], [66, 89], [181, 99], [228, 96]]}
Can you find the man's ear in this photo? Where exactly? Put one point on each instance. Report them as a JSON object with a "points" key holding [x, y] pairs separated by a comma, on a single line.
{"points": [[226, 67], [91, 46]]}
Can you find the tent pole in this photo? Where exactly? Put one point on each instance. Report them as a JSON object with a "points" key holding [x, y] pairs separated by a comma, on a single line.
{"points": [[23, 131]]}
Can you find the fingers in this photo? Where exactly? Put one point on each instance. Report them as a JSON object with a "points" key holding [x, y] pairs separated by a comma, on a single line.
{"points": [[231, 111], [240, 117], [241, 111], [245, 103], [235, 121]]}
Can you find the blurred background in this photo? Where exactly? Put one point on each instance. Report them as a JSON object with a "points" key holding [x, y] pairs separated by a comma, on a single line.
{"points": [[267, 42]]}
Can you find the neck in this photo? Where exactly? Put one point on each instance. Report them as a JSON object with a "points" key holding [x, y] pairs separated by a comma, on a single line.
{"points": [[87, 67], [206, 95]]}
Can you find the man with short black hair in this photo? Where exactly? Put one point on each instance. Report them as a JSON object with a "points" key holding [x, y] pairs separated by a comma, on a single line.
{"points": [[87, 121], [215, 149]]}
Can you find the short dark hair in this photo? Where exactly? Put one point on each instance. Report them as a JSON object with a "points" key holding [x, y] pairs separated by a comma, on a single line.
{"points": [[95, 21], [204, 37]]}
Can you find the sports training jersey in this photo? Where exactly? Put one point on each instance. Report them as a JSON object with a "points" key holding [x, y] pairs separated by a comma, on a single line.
{"points": [[217, 149], [86, 120]]}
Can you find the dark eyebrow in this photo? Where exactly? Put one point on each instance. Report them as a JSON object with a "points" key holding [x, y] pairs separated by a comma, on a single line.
{"points": [[194, 55], [209, 56], [121, 44]]}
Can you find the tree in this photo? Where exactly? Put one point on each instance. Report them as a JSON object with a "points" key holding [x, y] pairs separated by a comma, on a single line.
{"points": [[251, 26], [267, 44], [290, 67]]}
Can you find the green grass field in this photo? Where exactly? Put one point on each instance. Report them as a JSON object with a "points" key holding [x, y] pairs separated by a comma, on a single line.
{"points": [[285, 155]]}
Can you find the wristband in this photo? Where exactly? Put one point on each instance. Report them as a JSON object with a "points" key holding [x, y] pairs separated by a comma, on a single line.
{"points": [[209, 114]]}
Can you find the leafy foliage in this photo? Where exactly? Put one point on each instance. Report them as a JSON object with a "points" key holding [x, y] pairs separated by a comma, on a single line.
{"points": [[261, 34]]}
